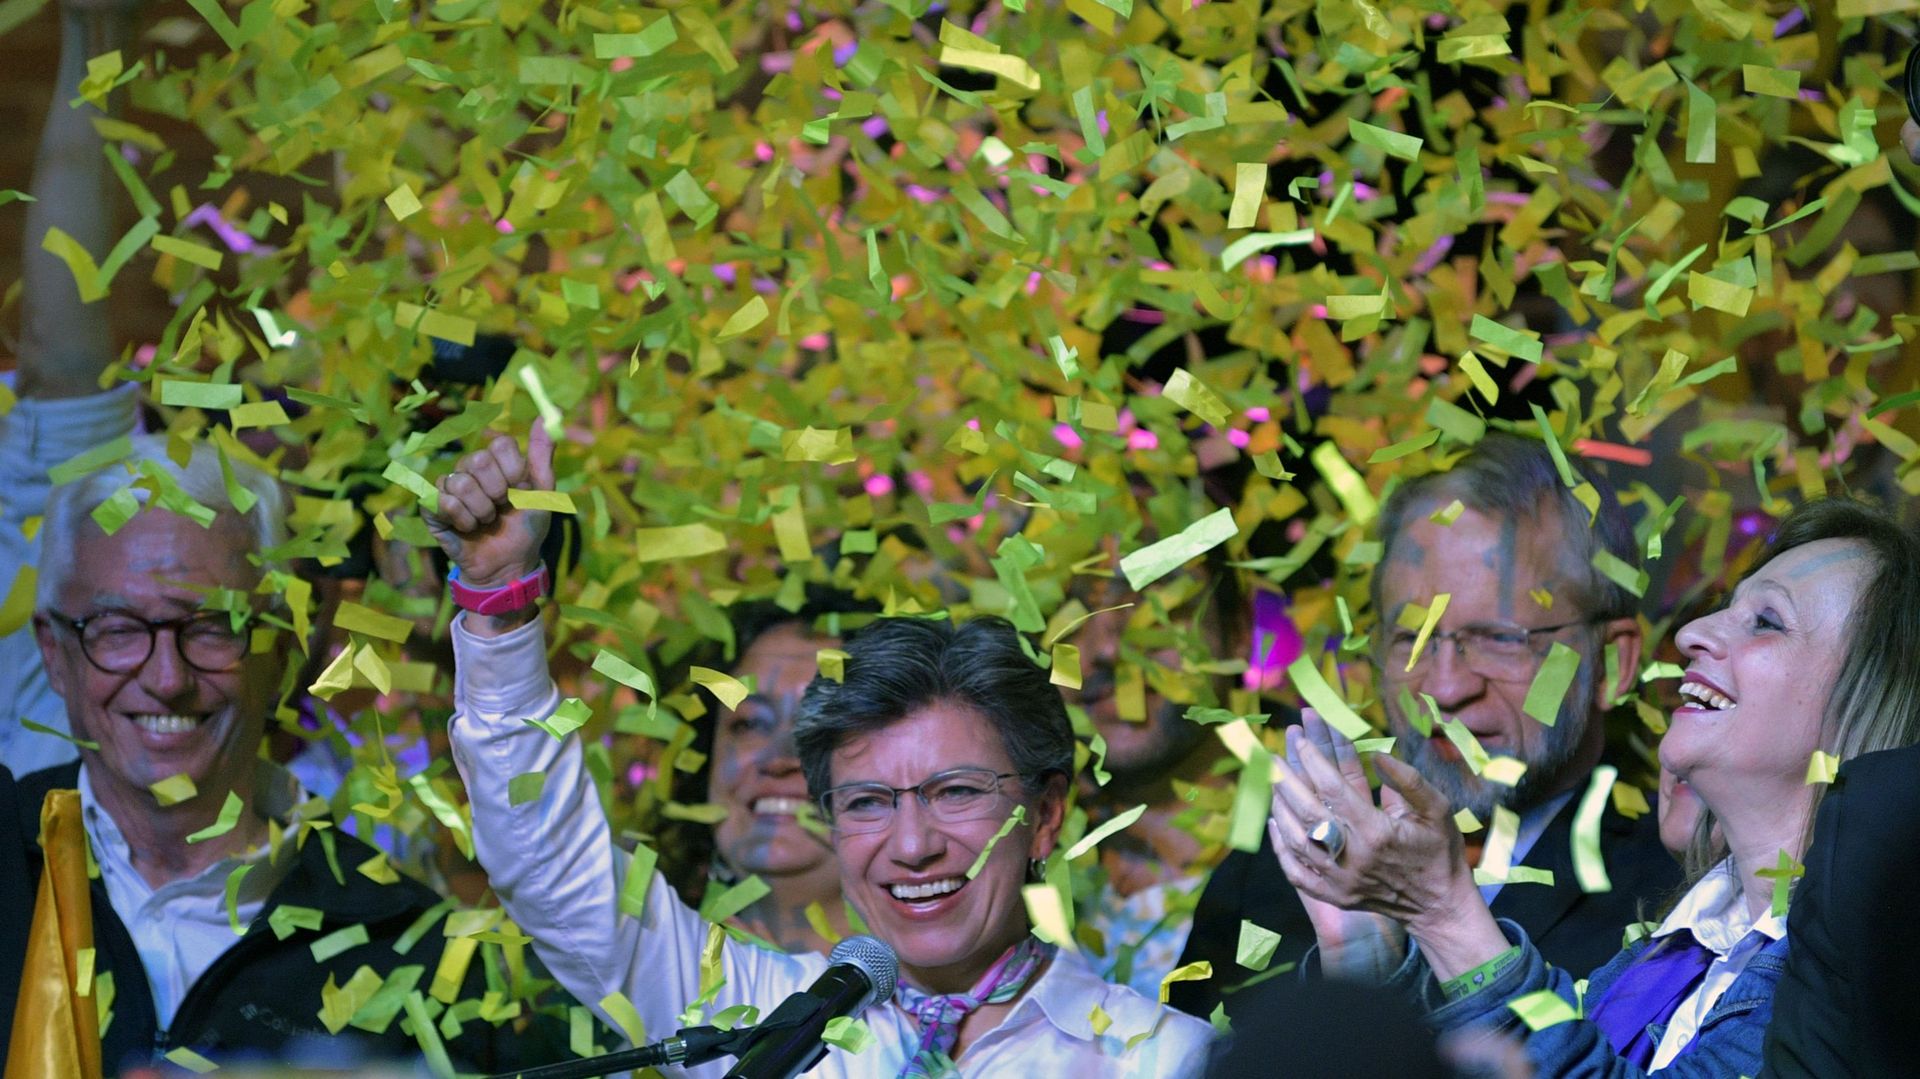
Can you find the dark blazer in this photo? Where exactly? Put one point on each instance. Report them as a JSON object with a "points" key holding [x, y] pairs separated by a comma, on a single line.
{"points": [[1573, 930], [1846, 1006], [263, 994]]}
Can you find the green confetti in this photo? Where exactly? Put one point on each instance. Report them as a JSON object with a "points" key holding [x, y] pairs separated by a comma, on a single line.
{"points": [[1550, 684]]}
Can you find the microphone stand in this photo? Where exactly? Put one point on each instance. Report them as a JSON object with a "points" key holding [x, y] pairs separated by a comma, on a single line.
{"points": [[690, 1046]]}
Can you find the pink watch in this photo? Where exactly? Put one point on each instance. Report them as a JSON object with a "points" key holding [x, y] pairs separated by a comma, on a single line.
{"points": [[519, 595]]}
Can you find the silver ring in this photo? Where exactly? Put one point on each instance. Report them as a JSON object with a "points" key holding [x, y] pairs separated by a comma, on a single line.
{"points": [[1330, 836]]}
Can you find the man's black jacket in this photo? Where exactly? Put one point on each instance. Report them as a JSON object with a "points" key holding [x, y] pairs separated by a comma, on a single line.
{"points": [[263, 994], [1577, 932]]}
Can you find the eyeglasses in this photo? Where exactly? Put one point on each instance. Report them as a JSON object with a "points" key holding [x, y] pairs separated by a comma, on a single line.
{"points": [[119, 643], [963, 794], [1497, 650]]}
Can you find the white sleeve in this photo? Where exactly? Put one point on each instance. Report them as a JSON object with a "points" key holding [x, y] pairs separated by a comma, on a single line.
{"points": [[35, 436], [556, 868]]}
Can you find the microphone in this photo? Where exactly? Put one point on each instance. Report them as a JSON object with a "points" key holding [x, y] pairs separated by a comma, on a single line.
{"points": [[862, 971]]}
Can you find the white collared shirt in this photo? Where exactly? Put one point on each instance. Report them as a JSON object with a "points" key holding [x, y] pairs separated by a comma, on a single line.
{"points": [[559, 875], [181, 927], [1715, 912]]}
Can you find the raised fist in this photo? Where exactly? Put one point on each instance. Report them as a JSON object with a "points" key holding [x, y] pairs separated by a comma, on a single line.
{"points": [[493, 543]]}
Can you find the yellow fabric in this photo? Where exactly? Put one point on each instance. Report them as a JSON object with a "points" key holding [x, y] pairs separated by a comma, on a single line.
{"points": [[56, 1033]]}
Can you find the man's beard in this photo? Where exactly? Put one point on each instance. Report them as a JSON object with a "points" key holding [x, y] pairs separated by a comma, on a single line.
{"points": [[1546, 766]]}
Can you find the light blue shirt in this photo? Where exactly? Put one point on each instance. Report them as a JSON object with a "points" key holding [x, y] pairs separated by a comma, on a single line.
{"points": [[34, 437]]}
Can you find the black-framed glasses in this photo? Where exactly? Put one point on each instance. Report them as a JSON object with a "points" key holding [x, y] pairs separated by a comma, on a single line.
{"points": [[1500, 651], [953, 797], [119, 643]]}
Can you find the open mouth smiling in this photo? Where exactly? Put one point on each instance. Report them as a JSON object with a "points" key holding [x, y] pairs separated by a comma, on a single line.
{"points": [[925, 892], [1705, 697]]}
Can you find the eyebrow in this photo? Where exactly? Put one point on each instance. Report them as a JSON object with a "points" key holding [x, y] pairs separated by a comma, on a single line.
{"points": [[1769, 585]]}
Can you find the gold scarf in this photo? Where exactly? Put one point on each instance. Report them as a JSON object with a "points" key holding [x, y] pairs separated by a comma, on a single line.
{"points": [[56, 1028]]}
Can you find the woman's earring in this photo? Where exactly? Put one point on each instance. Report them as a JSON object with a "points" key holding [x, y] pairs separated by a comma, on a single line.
{"points": [[1036, 870]]}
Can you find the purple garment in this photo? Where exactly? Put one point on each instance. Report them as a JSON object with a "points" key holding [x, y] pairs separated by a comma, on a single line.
{"points": [[1649, 992]]}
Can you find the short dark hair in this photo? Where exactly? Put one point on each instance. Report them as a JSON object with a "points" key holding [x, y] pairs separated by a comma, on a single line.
{"points": [[895, 666], [1513, 478]]}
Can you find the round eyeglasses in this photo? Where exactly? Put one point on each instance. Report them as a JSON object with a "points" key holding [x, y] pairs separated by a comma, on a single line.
{"points": [[119, 643], [1496, 650], [963, 794]]}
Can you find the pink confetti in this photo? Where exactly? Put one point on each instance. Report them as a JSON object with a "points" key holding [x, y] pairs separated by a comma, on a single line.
{"points": [[1064, 434], [879, 485], [1142, 439], [1239, 438], [814, 342], [1259, 414]]}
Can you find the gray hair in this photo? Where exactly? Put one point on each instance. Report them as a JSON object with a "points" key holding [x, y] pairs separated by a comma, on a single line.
{"points": [[896, 666], [1508, 477], [71, 505]]}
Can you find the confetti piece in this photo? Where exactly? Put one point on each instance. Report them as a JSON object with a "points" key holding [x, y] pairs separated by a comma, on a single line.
{"points": [[1011, 68], [736, 899], [1006, 828], [847, 1033], [1770, 81], [1550, 683], [1822, 767], [1253, 796], [1542, 1009], [1589, 867], [751, 314], [86, 273], [1048, 913], [657, 36], [338, 941], [679, 541], [1504, 770], [1346, 483], [1496, 858], [1189, 972], [224, 823], [1522, 343], [1322, 698], [1150, 563], [447, 327], [633, 888], [1066, 666], [1110, 827], [403, 202], [78, 743], [730, 690], [287, 918], [174, 789], [1193, 395], [1249, 189], [1256, 946], [1427, 623], [355, 618], [832, 664], [1392, 143], [183, 1057], [526, 787], [187, 251], [625, 1016], [544, 501]]}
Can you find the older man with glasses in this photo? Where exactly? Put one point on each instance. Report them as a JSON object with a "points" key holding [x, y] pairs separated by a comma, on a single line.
{"points": [[226, 912], [1508, 548]]}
